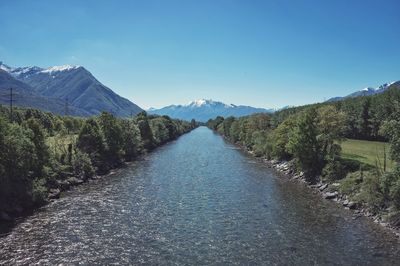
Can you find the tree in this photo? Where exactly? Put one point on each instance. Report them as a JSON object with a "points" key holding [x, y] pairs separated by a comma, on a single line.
{"points": [[262, 143], [193, 123], [17, 161], [227, 125], [37, 137], [161, 134], [364, 119], [234, 131], [91, 141], [392, 130], [213, 124], [131, 139], [145, 131], [303, 144], [113, 137], [331, 127], [280, 138]]}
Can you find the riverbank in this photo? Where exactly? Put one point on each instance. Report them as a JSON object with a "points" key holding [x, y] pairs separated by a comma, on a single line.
{"points": [[328, 191], [10, 212]]}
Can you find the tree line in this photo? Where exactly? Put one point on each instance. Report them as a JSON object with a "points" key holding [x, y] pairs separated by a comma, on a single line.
{"points": [[310, 136], [41, 151]]}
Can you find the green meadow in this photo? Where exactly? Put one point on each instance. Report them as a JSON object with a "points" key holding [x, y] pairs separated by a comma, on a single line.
{"points": [[371, 153]]}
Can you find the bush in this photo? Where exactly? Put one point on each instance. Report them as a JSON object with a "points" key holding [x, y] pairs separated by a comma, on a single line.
{"points": [[371, 192], [39, 191], [390, 186], [333, 170], [351, 183], [395, 194], [82, 166]]}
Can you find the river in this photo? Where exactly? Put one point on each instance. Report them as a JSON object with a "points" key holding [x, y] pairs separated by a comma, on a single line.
{"points": [[197, 200]]}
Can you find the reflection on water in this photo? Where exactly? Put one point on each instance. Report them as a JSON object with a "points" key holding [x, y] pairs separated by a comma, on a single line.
{"points": [[196, 201]]}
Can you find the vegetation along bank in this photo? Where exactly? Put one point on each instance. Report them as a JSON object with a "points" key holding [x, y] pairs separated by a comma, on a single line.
{"points": [[348, 150], [43, 154]]}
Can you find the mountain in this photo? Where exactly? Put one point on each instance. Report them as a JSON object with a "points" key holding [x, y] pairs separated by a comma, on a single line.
{"points": [[202, 110], [76, 85], [368, 91], [25, 96]]}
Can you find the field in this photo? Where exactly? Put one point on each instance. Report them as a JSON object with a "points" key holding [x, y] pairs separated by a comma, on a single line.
{"points": [[367, 152]]}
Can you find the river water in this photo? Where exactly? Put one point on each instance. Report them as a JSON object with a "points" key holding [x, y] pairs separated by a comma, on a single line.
{"points": [[197, 200]]}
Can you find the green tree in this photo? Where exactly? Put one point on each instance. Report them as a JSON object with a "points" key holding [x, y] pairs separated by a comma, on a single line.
{"points": [[331, 126], [91, 141], [280, 138], [392, 131], [131, 138], [18, 159], [145, 131], [113, 137], [38, 138], [234, 131], [303, 144]]}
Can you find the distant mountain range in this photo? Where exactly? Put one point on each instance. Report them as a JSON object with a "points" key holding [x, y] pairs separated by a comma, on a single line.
{"points": [[51, 88], [74, 90], [368, 91], [202, 110]]}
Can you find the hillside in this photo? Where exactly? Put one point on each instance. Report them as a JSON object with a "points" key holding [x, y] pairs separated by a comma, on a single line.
{"points": [[75, 84], [25, 96]]}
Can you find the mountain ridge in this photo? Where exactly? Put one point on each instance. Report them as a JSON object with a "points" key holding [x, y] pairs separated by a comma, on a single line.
{"points": [[367, 91], [76, 85], [204, 109], [25, 96]]}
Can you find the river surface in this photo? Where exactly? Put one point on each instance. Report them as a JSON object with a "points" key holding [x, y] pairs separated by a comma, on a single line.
{"points": [[196, 201]]}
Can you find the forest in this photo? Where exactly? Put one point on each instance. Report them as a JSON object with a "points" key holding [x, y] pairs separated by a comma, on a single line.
{"points": [[43, 154], [311, 137]]}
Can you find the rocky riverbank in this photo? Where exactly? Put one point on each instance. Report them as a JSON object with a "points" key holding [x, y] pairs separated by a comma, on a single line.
{"points": [[330, 191], [9, 213]]}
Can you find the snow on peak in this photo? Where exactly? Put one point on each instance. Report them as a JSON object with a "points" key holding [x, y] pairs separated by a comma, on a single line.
{"points": [[5, 67], [205, 102], [59, 68], [199, 103], [16, 71], [367, 89]]}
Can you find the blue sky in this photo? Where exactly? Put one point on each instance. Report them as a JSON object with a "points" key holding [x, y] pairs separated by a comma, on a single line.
{"points": [[261, 53]]}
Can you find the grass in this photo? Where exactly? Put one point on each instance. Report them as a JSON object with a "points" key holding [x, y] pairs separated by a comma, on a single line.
{"points": [[59, 144], [366, 152]]}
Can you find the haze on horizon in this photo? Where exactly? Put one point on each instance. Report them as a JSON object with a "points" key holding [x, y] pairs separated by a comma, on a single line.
{"points": [[260, 53]]}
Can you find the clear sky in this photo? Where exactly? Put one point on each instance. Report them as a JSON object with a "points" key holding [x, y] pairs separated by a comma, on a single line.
{"points": [[261, 53]]}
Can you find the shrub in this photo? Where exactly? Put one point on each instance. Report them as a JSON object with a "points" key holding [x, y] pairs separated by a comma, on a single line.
{"points": [[371, 192], [39, 191], [333, 170], [351, 183], [82, 166]]}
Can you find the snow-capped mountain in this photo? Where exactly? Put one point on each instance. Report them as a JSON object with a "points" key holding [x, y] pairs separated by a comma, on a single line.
{"points": [[26, 96], [75, 84], [368, 91], [202, 110]]}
